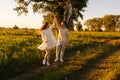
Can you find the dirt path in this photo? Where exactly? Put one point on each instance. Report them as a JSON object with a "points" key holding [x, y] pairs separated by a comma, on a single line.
{"points": [[92, 67]]}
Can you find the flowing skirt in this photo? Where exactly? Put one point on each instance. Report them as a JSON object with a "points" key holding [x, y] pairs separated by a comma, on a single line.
{"points": [[45, 45]]}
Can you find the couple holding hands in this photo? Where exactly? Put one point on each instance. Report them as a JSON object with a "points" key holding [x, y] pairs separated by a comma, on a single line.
{"points": [[49, 40]]}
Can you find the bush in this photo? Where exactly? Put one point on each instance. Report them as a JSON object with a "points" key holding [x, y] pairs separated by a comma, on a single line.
{"points": [[15, 27]]}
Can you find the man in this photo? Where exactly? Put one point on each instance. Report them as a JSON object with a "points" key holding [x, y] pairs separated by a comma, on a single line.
{"points": [[62, 41]]}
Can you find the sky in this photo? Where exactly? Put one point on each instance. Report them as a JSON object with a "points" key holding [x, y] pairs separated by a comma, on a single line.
{"points": [[95, 9]]}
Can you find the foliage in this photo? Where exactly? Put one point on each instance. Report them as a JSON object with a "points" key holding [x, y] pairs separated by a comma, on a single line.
{"points": [[109, 22], [15, 27], [49, 8], [77, 26], [94, 24]]}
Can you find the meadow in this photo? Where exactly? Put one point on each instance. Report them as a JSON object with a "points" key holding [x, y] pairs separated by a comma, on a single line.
{"points": [[88, 56]]}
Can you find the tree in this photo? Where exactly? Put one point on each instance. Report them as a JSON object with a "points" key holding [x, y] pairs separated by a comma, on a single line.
{"points": [[15, 27], [118, 22], [49, 7], [110, 22], [94, 24], [78, 26], [88, 24]]}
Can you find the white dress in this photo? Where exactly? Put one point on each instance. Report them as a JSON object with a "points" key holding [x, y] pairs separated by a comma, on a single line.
{"points": [[48, 39]]}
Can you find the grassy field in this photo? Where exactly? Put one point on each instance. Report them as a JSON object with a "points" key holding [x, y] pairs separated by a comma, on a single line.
{"points": [[88, 56]]}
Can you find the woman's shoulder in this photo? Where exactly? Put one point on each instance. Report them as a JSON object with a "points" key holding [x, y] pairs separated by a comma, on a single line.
{"points": [[46, 30]]}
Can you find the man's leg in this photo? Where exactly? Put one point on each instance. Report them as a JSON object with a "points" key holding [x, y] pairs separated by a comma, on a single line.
{"points": [[62, 52], [57, 52]]}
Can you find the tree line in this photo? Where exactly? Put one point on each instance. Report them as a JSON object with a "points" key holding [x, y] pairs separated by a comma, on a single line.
{"points": [[106, 23]]}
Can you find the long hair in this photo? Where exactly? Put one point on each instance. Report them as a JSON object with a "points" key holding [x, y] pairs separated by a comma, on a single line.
{"points": [[45, 25]]}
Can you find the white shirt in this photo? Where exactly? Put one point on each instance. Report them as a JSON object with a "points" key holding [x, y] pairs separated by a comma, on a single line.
{"points": [[62, 35]]}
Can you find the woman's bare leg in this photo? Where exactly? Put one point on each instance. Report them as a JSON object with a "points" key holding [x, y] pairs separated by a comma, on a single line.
{"points": [[47, 56]]}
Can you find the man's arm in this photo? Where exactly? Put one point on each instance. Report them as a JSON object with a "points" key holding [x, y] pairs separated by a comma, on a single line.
{"points": [[56, 21]]}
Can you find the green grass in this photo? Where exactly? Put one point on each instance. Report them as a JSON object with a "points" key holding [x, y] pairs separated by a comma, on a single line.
{"points": [[18, 51], [89, 55], [87, 51]]}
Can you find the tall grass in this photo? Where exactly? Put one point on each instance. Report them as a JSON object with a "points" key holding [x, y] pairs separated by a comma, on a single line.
{"points": [[18, 50], [86, 50], [18, 53]]}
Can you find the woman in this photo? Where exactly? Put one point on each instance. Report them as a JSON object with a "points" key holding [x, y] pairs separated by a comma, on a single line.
{"points": [[49, 41]]}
